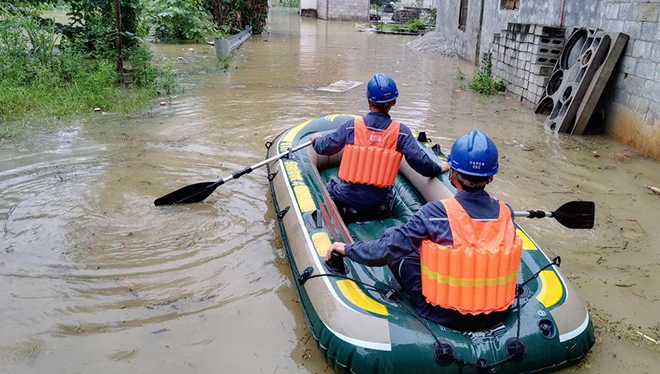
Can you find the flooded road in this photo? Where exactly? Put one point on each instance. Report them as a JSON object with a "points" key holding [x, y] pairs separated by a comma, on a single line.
{"points": [[94, 278]]}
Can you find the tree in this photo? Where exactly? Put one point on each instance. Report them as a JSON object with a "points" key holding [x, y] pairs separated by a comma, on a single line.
{"points": [[232, 16]]}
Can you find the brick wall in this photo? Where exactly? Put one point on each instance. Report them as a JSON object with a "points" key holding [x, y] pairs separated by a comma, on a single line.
{"points": [[524, 55], [343, 10], [634, 90]]}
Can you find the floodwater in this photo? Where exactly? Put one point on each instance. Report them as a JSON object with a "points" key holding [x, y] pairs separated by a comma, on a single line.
{"points": [[94, 278]]}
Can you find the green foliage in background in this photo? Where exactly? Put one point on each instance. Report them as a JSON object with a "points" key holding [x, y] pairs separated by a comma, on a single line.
{"points": [[377, 7], [179, 20], [285, 4], [414, 26], [232, 16], [53, 70], [484, 83], [93, 24], [49, 72], [433, 14]]}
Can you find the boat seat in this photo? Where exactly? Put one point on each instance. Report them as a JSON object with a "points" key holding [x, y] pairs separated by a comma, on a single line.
{"points": [[405, 203]]}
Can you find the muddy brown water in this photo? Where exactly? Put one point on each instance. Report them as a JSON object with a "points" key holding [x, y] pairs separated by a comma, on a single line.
{"points": [[93, 278]]}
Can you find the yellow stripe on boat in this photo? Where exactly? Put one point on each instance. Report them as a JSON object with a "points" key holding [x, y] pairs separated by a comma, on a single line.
{"points": [[300, 189], [528, 244], [321, 242], [293, 171], [354, 294], [332, 117], [304, 197], [551, 288], [287, 140]]}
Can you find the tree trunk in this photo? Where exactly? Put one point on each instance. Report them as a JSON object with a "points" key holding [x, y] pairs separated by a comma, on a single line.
{"points": [[120, 58]]}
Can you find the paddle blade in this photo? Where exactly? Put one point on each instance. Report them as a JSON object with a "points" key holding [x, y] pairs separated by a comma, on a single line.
{"points": [[190, 194], [577, 214]]}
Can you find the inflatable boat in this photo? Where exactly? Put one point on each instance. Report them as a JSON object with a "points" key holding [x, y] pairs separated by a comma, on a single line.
{"points": [[359, 320]]}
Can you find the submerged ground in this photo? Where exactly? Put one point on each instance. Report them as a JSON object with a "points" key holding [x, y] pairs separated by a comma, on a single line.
{"points": [[93, 278]]}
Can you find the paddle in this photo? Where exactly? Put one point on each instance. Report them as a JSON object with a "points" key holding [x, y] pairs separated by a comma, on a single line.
{"points": [[197, 192], [574, 215]]}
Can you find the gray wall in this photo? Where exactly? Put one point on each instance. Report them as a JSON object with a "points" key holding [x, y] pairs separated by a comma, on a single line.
{"points": [[583, 13], [634, 92], [343, 10], [632, 99], [447, 23]]}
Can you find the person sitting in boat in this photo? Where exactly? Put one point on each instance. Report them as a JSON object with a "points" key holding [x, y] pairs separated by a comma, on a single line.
{"points": [[373, 147], [456, 259]]}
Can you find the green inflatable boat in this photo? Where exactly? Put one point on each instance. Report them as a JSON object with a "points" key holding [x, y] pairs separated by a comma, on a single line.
{"points": [[359, 321]]}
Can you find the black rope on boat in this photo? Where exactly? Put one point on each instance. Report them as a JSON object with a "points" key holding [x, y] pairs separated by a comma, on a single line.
{"points": [[268, 145], [555, 261], [392, 294], [272, 176]]}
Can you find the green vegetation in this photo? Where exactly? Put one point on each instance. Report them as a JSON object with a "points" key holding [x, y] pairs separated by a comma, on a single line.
{"points": [[415, 26], [484, 83], [285, 3], [53, 70], [433, 14], [232, 16], [179, 20], [377, 7]]}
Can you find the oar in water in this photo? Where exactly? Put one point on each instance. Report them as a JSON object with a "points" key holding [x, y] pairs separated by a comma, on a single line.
{"points": [[574, 215], [197, 192]]}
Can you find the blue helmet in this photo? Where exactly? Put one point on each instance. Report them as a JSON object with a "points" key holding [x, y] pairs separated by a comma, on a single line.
{"points": [[474, 154], [381, 89]]}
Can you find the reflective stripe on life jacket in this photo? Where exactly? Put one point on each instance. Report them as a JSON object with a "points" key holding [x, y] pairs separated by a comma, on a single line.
{"points": [[372, 158], [477, 274]]}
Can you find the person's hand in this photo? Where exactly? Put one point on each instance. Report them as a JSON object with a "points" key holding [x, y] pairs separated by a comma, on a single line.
{"points": [[316, 135], [443, 166], [336, 247]]}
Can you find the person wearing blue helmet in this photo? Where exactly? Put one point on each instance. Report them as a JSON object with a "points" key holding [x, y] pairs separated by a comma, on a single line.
{"points": [[444, 224], [356, 188]]}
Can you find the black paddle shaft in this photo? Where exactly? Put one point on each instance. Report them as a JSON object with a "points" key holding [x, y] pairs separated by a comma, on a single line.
{"points": [[574, 215], [197, 192]]}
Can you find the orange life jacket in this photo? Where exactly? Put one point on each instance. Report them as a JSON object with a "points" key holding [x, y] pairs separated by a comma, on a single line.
{"points": [[372, 158], [478, 273]]}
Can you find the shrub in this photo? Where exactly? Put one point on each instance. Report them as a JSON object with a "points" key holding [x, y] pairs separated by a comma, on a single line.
{"points": [[39, 81], [484, 83], [179, 20]]}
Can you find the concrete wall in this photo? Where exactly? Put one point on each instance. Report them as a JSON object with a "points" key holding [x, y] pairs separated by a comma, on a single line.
{"points": [[418, 3], [543, 12], [308, 4], [634, 93], [428, 3], [465, 41], [632, 99], [343, 10]]}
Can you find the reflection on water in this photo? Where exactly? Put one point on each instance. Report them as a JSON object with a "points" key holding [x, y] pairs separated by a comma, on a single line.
{"points": [[94, 278]]}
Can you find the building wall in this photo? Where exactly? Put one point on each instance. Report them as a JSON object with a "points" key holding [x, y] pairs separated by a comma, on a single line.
{"points": [[418, 3], [632, 99], [343, 10], [308, 4], [465, 41], [322, 8], [633, 96], [428, 3]]}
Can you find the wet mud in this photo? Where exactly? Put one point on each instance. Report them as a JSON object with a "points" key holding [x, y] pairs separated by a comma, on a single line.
{"points": [[94, 278]]}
